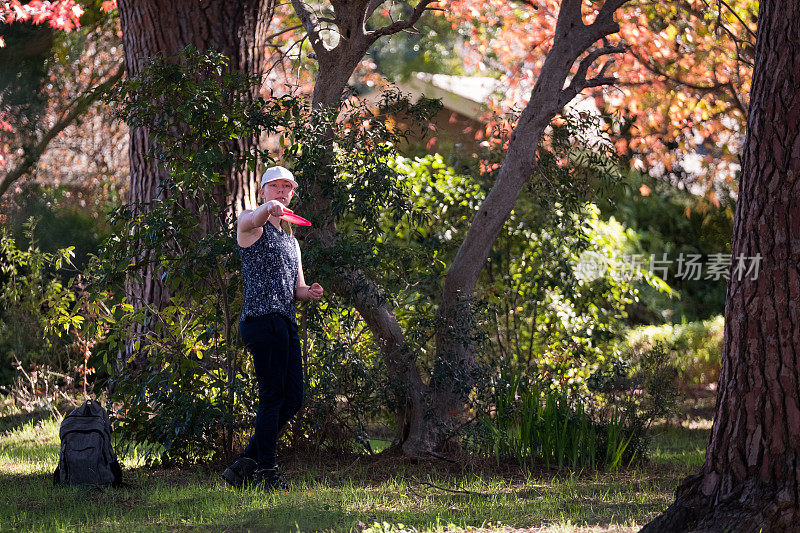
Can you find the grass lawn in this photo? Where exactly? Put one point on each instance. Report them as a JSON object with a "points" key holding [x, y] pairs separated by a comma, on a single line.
{"points": [[374, 494]]}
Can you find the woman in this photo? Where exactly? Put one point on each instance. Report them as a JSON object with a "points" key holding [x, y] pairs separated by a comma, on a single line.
{"points": [[272, 271]]}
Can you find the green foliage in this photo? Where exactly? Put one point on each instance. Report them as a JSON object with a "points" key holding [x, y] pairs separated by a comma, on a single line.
{"points": [[36, 309], [541, 311], [695, 348], [183, 385], [368, 193], [348, 387], [564, 435], [545, 316], [640, 388], [344, 159], [672, 221], [59, 220], [550, 314], [530, 423]]}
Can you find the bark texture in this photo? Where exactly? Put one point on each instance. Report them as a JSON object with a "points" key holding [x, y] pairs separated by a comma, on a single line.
{"points": [[236, 28], [751, 477]]}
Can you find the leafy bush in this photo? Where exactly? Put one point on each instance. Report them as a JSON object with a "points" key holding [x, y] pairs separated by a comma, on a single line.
{"points": [[347, 388], [531, 423], [37, 318], [695, 348], [670, 220], [61, 221], [544, 310], [180, 385]]}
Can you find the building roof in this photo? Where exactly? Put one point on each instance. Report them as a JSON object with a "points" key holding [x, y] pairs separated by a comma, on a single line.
{"points": [[466, 95]]}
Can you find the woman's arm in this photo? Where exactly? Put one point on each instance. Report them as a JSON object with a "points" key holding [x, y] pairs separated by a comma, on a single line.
{"points": [[250, 220], [248, 227], [301, 290]]}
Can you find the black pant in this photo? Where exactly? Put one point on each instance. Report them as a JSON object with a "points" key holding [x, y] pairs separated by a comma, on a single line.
{"points": [[272, 340]]}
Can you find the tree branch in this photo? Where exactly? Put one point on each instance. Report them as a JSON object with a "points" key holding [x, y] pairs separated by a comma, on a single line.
{"points": [[311, 24], [368, 301], [569, 18], [735, 14], [79, 107], [373, 5], [283, 31], [579, 81], [575, 36], [400, 25], [610, 7], [715, 88]]}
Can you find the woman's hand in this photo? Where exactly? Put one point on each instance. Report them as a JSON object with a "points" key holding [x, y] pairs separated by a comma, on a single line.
{"points": [[275, 208], [315, 291]]}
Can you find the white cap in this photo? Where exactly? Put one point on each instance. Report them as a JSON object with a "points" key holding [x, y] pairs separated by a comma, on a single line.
{"points": [[277, 173]]}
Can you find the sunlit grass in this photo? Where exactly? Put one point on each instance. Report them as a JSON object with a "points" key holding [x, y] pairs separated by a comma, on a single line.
{"points": [[374, 494]]}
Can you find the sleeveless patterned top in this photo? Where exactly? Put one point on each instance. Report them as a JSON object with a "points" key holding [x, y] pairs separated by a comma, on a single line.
{"points": [[269, 271]]}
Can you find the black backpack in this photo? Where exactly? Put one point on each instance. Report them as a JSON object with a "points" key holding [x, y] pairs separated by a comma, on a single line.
{"points": [[87, 457]]}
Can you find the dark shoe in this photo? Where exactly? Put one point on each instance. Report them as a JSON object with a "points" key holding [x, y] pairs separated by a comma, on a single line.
{"points": [[270, 479], [240, 472]]}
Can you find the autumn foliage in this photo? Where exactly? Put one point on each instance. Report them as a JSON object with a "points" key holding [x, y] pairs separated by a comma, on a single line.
{"points": [[683, 82], [60, 14]]}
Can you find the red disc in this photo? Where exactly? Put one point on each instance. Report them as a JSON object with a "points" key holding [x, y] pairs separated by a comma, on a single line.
{"points": [[289, 216]]}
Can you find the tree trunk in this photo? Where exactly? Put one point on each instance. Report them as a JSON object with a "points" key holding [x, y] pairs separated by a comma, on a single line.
{"points": [[236, 28], [751, 476]]}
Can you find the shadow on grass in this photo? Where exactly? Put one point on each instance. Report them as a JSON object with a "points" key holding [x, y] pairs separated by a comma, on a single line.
{"points": [[337, 492], [9, 423], [678, 447], [149, 502], [195, 498]]}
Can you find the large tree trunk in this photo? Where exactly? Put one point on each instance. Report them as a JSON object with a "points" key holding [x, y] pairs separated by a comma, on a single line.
{"points": [[751, 477], [236, 28]]}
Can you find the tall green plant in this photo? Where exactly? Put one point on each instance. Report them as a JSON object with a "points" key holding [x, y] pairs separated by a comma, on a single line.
{"points": [[36, 308], [533, 424]]}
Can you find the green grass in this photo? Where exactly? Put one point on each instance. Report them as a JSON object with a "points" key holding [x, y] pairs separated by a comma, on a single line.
{"points": [[377, 494]]}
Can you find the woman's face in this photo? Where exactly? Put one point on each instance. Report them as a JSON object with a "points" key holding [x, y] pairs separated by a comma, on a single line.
{"points": [[280, 190]]}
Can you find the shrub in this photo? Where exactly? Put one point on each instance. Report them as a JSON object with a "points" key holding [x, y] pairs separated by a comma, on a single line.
{"points": [[37, 319], [61, 221], [184, 388], [530, 423], [180, 385], [670, 220], [695, 348]]}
